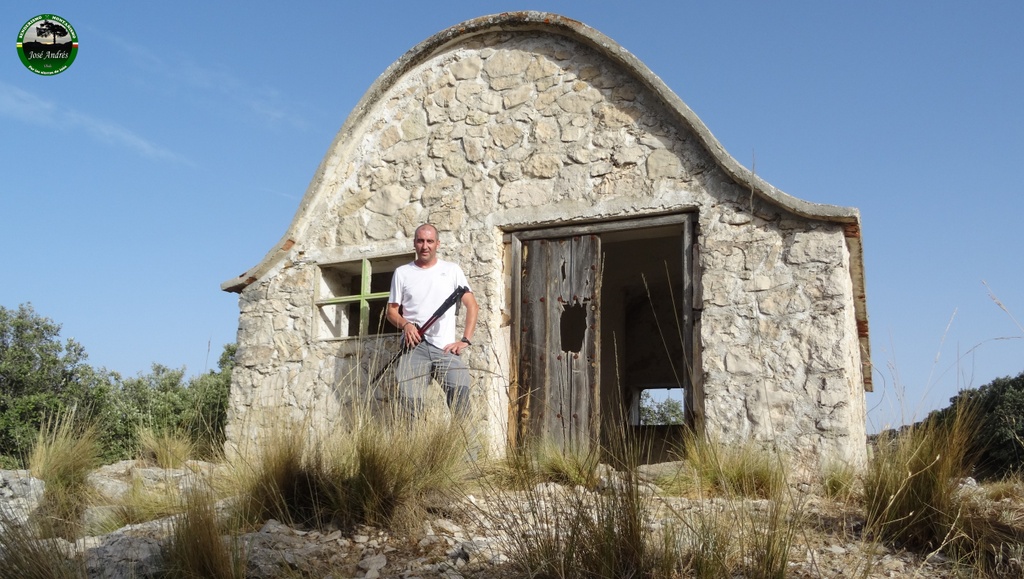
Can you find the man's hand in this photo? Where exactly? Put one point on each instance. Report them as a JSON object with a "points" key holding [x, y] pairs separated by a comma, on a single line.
{"points": [[455, 348], [412, 335]]}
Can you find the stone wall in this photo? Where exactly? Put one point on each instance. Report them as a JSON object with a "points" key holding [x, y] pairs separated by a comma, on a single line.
{"points": [[501, 130]]}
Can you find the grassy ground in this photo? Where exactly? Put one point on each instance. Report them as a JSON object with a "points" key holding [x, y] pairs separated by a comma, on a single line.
{"points": [[722, 511]]}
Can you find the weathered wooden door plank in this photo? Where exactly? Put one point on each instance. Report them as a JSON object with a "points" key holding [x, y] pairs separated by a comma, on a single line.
{"points": [[559, 315]]}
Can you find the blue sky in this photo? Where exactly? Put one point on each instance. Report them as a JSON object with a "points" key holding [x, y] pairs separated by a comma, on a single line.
{"points": [[175, 150]]}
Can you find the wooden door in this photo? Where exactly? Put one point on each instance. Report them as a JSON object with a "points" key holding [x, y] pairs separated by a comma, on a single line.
{"points": [[559, 349]]}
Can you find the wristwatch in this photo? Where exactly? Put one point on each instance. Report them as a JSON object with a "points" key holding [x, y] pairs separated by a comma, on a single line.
{"points": [[466, 340]]}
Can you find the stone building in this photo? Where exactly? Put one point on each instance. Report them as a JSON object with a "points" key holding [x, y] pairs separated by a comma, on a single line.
{"points": [[613, 245]]}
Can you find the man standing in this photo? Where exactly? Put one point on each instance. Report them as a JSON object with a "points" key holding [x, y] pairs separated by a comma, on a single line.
{"points": [[417, 289]]}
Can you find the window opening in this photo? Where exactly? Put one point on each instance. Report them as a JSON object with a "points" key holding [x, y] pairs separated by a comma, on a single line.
{"points": [[352, 298], [658, 407]]}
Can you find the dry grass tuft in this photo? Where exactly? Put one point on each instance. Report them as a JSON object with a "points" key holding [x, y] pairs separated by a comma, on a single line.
{"points": [[26, 554], [139, 505], [708, 543], [273, 482], [713, 469], [383, 474], [840, 482], [568, 530], [395, 469], [915, 496], [165, 448], [63, 456], [910, 487], [196, 547], [544, 462]]}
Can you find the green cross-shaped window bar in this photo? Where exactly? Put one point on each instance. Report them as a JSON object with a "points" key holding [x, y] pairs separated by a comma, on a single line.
{"points": [[363, 298]]}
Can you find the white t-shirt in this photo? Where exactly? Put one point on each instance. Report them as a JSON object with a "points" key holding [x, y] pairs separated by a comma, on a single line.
{"points": [[420, 291]]}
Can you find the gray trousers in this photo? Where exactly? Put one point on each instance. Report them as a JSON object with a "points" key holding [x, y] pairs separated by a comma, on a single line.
{"points": [[419, 365]]}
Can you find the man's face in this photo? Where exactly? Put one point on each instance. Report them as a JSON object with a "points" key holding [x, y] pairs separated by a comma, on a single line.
{"points": [[426, 244]]}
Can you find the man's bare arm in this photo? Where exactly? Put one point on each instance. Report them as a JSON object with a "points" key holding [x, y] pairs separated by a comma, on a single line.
{"points": [[409, 330], [472, 309]]}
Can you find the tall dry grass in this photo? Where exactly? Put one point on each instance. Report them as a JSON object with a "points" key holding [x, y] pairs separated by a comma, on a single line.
{"points": [[622, 527], [396, 469], [141, 504], [726, 470], [384, 473], [196, 546], [577, 520], [916, 494], [275, 482], [166, 448], [840, 481], [707, 542], [65, 453], [25, 553], [748, 520], [524, 467], [767, 536]]}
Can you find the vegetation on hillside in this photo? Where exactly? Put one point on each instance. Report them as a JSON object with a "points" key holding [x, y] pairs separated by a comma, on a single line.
{"points": [[998, 444], [43, 377], [724, 511]]}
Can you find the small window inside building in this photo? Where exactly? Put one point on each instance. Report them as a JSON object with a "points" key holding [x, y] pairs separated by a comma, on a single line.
{"points": [[659, 407], [351, 298]]}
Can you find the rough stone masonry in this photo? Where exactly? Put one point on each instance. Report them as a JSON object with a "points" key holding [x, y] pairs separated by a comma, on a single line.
{"points": [[530, 119]]}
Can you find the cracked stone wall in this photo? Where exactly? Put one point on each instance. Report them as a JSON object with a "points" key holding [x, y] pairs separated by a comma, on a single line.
{"points": [[504, 130]]}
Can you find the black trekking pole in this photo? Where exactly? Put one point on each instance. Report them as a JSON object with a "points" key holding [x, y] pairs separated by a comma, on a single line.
{"points": [[448, 303]]}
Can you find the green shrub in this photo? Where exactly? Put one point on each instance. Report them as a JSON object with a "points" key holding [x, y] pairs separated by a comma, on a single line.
{"points": [[999, 442], [20, 421], [163, 401], [39, 375], [206, 416], [667, 411]]}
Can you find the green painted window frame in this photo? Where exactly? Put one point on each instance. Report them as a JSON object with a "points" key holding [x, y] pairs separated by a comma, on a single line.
{"points": [[361, 298]]}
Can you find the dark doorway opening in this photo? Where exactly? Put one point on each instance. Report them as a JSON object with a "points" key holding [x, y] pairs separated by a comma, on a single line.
{"points": [[636, 327]]}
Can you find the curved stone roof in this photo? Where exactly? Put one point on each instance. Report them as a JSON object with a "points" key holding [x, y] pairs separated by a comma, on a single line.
{"points": [[531, 21]]}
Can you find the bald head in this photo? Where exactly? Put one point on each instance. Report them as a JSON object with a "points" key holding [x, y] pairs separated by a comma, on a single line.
{"points": [[426, 226], [426, 243]]}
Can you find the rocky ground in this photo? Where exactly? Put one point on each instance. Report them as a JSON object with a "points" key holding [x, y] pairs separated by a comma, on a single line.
{"points": [[457, 537]]}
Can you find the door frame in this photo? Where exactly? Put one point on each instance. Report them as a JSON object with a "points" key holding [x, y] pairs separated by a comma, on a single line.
{"points": [[690, 314]]}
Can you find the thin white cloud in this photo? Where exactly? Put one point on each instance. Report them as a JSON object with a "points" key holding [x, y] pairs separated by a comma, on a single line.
{"points": [[113, 133], [29, 108], [23, 105], [279, 193], [201, 80]]}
